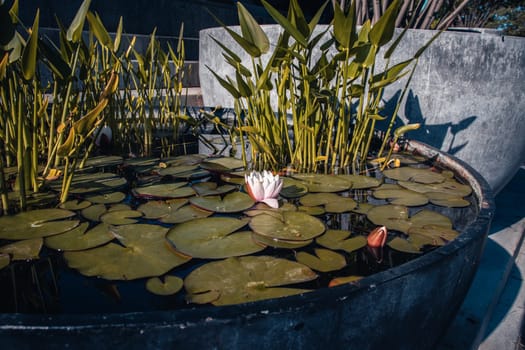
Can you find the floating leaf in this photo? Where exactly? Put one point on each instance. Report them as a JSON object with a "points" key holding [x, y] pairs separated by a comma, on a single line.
{"points": [[164, 191], [332, 202], [420, 175], [315, 211], [402, 197], [94, 183], [143, 252], [213, 238], [231, 203], [107, 198], [403, 245], [75, 204], [170, 285], [94, 212], [79, 239], [291, 225], [280, 243], [28, 249], [36, 223], [447, 200], [245, 279], [324, 260], [293, 188], [394, 217], [344, 280], [211, 188], [159, 209], [362, 208], [224, 164], [177, 170], [428, 217], [323, 183], [360, 181], [338, 240], [186, 213], [120, 217], [449, 186], [439, 234]]}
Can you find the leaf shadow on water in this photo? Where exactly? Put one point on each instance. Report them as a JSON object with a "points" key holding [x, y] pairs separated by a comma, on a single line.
{"points": [[436, 135]]}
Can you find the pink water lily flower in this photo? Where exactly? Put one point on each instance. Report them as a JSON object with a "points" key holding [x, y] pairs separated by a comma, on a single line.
{"points": [[264, 187]]}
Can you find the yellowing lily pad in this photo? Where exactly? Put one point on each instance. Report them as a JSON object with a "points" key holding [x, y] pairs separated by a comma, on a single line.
{"points": [[75, 204], [420, 175], [402, 197], [245, 279], [323, 183], [395, 217], [28, 249], [449, 186], [79, 239], [213, 238], [36, 223], [231, 203], [338, 240], [170, 285], [439, 234], [324, 260], [291, 226], [447, 200], [404, 246], [143, 252]]}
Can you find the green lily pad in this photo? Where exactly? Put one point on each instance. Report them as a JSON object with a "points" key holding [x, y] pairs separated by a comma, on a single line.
{"points": [[160, 209], [245, 279], [223, 164], [449, 186], [332, 202], [291, 226], [164, 191], [213, 238], [231, 203], [324, 260], [420, 175], [107, 198], [212, 189], [395, 217], [95, 183], [5, 260], [403, 245], [170, 285], [338, 240], [36, 223], [75, 204], [94, 212], [315, 211], [143, 252], [175, 170], [362, 208], [293, 188], [186, 159], [447, 200], [120, 217], [103, 161], [360, 182], [402, 197], [429, 217], [235, 178], [79, 239], [186, 213], [280, 243], [27, 249], [439, 234], [262, 208], [323, 183]]}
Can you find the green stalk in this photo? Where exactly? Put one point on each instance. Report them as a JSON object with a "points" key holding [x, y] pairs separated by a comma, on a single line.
{"points": [[20, 154]]}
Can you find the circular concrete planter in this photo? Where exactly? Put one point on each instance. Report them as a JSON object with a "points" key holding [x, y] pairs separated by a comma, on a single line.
{"points": [[406, 307], [468, 93]]}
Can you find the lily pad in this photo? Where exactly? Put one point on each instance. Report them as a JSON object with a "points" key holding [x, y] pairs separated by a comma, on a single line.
{"points": [[164, 191], [293, 188], [395, 217], [439, 234], [420, 175], [36, 223], [213, 238], [245, 279], [291, 226], [159, 209], [332, 202], [324, 260], [170, 285], [174, 170], [212, 189], [103, 161], [120, 217], [404, 246], [143, 252], [447, 200], [186, 213], [315, 211], [402, 197], [223, 164], [344, 280], [96, 183], [79, 239], [338, 240], [323, 183], [28, 249], [94, 212], [360, 182], [280, 243], [107, 198], [449, 186], [362, 208], [75, 204], [231, 203]]}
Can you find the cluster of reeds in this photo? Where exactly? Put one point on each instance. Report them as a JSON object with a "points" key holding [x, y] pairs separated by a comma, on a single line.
{"points": [[48, 127], [325, 106]]}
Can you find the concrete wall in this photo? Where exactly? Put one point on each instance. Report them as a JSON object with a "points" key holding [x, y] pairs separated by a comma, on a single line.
{"points": [[468, 93]]}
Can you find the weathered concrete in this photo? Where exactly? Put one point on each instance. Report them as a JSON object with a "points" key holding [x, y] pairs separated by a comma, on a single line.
{"points": [[468, 93]]}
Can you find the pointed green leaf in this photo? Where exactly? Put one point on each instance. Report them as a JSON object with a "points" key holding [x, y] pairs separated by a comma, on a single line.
{"points": [[383, 30], [29, 55], [285, 23], [251, 30], [74, 31], [97, 27]]}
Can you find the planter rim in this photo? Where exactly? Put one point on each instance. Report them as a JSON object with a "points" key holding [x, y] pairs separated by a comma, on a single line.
{"points": [[195, 316]]}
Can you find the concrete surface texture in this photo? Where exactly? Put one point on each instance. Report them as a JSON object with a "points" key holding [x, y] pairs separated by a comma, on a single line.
{"points": [[468, 93]]}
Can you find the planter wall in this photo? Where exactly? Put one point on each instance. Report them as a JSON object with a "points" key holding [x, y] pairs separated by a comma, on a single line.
{"points": [[406, 307], [468, 93]]}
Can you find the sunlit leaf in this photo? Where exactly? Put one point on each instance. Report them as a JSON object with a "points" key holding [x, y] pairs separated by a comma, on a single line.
{"points": [[36, 224], [292, 226], [170, 285], [231, 203], [164, 191], [28, 249], [185, 213]]}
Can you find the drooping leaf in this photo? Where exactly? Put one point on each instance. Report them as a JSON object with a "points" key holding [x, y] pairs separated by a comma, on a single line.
{"points": [[251, 30]]}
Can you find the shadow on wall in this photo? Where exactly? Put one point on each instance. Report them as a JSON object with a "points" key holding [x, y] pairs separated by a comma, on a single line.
{"points": [[435, 134]]}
